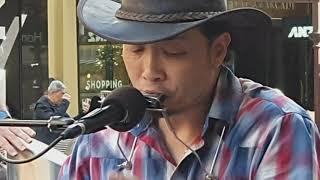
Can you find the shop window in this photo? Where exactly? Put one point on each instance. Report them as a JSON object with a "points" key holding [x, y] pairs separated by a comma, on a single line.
{"points": [[101, 68], [23, 28], [286, 59]]}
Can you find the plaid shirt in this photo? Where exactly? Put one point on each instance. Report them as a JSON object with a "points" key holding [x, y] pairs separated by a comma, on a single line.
{"points": [[270, 137]]}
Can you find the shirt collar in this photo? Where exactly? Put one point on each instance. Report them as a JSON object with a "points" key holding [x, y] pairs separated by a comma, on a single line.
{"points": [[228, 97], [143, 125], [225, 105]]}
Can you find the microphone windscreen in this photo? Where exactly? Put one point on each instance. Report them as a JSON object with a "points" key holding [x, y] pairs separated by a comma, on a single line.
{"points": [[130, 99]]}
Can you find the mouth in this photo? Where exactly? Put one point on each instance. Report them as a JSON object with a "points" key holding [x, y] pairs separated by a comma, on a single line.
{"points": [[156, 95], [152, 93], [154, 99]]}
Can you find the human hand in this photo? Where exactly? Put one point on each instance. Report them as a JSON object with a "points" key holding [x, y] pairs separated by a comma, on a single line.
{"points": [[10, 138], [121, 176], [67, 97], [86, 105]]}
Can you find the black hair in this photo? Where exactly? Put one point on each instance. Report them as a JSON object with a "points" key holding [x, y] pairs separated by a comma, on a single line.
{"points": [[211, 30]]}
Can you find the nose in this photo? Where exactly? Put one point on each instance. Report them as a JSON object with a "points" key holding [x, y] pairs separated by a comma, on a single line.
{"points": [[153, 68]]}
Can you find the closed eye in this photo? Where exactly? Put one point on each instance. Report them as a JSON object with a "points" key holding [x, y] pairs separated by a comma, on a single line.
{"points": [[134, 48], [174, 53], [137, 50]]}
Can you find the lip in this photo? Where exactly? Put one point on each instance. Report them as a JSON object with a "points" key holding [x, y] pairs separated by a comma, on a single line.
{"points": [[151, 92], [154, 95]]}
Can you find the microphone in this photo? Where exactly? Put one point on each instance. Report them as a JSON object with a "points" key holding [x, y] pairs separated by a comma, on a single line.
{"points": [[121, 110]]}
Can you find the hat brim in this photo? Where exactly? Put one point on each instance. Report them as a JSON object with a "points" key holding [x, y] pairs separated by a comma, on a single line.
{"points": [[98, 16]]}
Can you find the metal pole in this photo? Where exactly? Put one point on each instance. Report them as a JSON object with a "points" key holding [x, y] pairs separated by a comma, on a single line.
{"points": [[315, 36]]}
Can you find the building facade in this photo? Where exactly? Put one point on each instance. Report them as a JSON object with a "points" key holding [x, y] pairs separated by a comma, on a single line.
{"points": [[283, 61], [51, 43]]}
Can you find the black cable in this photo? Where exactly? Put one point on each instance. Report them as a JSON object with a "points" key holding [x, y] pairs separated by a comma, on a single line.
{"points": [[7, 160]]}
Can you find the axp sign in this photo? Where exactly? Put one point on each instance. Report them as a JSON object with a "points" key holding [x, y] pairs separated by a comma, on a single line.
{"points": [[300, 32]]}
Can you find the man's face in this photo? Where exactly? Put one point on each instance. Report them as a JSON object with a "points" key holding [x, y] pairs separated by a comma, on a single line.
{"points": [[56, 96], [184, 69]]}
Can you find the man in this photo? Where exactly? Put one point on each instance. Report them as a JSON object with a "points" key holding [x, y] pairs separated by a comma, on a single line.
{"points": [[177, 49], [55, 103]]}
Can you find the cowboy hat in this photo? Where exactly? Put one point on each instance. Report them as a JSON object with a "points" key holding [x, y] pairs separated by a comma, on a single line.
{"points": [[147, 21]]}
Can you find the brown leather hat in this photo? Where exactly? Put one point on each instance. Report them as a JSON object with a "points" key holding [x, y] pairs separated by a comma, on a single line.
{"points": [[146, 21]]}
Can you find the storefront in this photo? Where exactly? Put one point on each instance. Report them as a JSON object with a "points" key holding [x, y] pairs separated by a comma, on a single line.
{"points": [[24, 53], [53, 44], [285, 61], [289, 66], [101, 67]]}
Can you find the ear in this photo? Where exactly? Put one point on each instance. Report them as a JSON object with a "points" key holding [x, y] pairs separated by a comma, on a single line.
{"points": [[219, 48]]}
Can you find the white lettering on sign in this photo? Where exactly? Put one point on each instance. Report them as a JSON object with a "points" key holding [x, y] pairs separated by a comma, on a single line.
{"points": [[2, 32], [31, 38], [2, 28], [103, 84], [2, 3], [10, 37], [300, 32], [286, 5]]}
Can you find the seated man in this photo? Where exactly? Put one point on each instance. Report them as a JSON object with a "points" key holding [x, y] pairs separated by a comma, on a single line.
{"points": [[55, 103], [215, 125]]}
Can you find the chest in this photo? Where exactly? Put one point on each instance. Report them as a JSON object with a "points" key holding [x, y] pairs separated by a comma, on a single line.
{"points": [[150, 164], [150, 161]]}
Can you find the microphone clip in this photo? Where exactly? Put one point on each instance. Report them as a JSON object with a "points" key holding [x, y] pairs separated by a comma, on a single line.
{"points": [[58, 123]]}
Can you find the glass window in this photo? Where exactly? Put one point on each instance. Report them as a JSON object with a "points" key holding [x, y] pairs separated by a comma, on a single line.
{"points": [[101, 68], [284, 58], [24, 23], [34, 53]]}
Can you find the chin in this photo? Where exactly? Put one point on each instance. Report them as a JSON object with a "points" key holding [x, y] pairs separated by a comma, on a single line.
{"points": [[169, 106]]}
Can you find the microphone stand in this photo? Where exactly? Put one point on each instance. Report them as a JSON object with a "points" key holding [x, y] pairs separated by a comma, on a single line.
{"points": [[54, 123]]}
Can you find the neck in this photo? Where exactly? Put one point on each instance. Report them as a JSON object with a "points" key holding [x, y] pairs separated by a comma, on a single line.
{"points": [[187, 126], [51, 99]]}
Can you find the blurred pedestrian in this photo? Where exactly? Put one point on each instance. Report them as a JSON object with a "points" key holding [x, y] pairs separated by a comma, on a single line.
{"points": [[55, 103], [88, 106]]}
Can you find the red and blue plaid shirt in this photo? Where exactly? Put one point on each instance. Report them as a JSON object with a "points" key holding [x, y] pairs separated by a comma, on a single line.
{"points": [[270, 137]]}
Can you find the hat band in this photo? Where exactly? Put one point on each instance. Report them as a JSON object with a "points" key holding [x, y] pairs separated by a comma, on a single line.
{"points": [[171, 17]]}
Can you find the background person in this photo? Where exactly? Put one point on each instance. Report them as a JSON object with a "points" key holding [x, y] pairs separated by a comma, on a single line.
{"points": [[88, 106], [55, 103]]}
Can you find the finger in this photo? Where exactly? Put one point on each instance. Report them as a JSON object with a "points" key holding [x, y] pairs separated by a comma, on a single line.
{"points": [[29, 131], [14, 140], [22, 134], [4, 144]]}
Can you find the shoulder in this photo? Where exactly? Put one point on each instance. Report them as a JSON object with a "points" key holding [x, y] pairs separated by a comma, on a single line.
{"points": [[43, 100], [264, 112], [258, 97]]}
